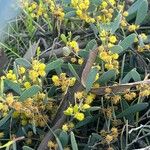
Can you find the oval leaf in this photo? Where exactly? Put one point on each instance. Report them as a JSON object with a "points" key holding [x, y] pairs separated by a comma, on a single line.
{"points": [[30, 92], [73, 142], [23, 62], [90, 79], [128, 41], [133, 109]]}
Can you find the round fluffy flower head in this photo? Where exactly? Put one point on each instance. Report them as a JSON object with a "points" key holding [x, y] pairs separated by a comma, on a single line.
{"points": [[109, 138], [21, 70], [79, 116], [55, 79], [27, 85], [113, 39], [85, 106], [72, 81], [68, 111], [65, 127]]}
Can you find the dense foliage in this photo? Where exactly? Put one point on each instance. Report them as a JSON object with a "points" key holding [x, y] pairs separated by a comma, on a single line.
{"points": [[77, 76]]}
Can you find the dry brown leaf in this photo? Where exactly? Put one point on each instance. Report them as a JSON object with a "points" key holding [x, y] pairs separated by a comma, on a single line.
{"points": [[118, 88], [88, 66]]}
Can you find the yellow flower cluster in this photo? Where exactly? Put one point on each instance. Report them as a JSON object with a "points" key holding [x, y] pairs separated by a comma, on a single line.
{"points": [[27, 77], [129, 96], [63, 81], [68, 126], [116, 99], [11, 76], [56, 10], [34, 9], [109, 136], [83, 101], [75, 112], [110, 59], [73, 45], [51, 145], [83, 96], [77, 60], [81, 7], [144, 48], [31, 110], [133, 27], [106, 9], [144, 90], [37, 70]]}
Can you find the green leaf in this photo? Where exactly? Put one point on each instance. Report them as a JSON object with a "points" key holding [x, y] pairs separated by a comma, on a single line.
{"points": [[135, 7], [115, 25], [27, 148], [91, 79], [96, 2], [133, 74], [107, 76], [91, 45], [142, 12], [84, 53], [66, 2], [64, 38], [94, 28], [94, 108], [6, 118], [128, 41], [116, 49], [70, 14], [54, 65], [86, 121], [13, 86], [94, 138], [30, 92], [73, 142], [73, 71], [133, 109], [64, 138], [23, 62]]}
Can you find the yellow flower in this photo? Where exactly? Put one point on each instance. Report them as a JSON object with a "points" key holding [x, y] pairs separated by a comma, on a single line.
{"points": [[17, 106], [109, 138], [42, 66], [89, 99], [113, 39], [55, 79], [65, 127], [109, 66], [9, 99], [104, 4], [115, 56], [42, 73], [21, 70], [133, 27], [85, 106], [27, 85], [79, 116], [79, 95], [72, 81], [74, 46], [33, 75], [1, 106], [68, 111], [125, 14], [108, 90], [80, 61]]}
